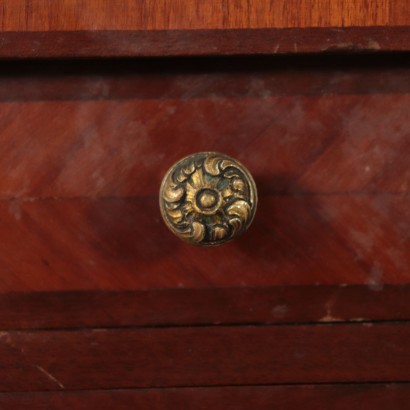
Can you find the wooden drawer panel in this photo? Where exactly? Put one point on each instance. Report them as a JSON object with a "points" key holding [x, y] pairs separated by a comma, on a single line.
{"points": [[206, 306], [84, 147], [204, 356], [325, 127], [68, 244], [101, 307]]}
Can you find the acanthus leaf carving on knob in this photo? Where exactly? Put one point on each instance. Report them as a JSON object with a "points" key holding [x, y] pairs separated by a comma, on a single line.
{"points": [[208, 198]]}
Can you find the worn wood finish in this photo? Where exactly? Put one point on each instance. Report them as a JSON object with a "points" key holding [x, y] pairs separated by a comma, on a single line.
{"points": [[68, 44], [82, 151], [214, 78], [97, 244], [41, 15], [354, 397], [209, 306], [79, 28], [114, 132], [96, 146], [203, 356], [82, 155]]}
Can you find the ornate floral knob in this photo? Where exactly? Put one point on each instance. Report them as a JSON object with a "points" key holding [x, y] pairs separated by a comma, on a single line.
{"points": [[208, 198]]}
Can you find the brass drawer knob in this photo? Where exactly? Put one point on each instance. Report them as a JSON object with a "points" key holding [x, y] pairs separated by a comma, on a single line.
{"points": [[208, 198]]}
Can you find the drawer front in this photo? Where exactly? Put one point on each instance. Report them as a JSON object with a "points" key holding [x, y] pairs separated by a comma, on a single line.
{"points": [[96, 293], [85, 146]]}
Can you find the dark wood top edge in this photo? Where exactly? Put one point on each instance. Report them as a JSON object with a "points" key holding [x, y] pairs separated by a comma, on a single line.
{"points": [[154, 43], [204, 307]]}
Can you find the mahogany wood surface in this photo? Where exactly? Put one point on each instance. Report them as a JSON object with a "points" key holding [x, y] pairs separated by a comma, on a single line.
{"points": [[100, 306], [209, 306], [74, 244], [204, 356], [310, 397], [43, 15], [323, 127], [205, 42], [84, 28], [82, 155]]}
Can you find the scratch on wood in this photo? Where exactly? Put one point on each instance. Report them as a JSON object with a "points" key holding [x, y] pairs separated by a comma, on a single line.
{"points": [[50, 376], [329, 305], [370, 45], [373, 45], [329, 318]]}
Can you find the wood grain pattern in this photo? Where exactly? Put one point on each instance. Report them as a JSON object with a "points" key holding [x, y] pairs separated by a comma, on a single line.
{"points": [[82, 156], [354, 397], [89, 243], [208, 306], [399, 12], [206, 356], [82, 151], [81, 134], [42, 15], [95, 153], [143, 43]]}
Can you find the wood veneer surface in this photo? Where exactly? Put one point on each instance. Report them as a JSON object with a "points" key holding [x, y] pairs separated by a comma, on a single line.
{"points": [[207, 42], [204, 356], [79, 28], [207, 306], [72, 15], [84, 147]]}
